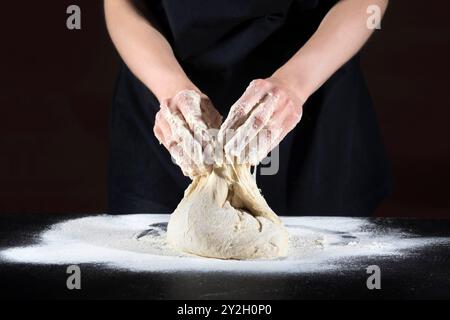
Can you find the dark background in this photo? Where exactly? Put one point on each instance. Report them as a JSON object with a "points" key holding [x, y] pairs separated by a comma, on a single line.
{"points": [[57, 85]]}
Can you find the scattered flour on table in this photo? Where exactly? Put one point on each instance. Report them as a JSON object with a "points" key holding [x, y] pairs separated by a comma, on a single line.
{"points": [[138, 243]]}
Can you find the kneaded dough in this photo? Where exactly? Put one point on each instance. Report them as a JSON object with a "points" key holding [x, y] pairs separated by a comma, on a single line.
{"points": [[223, 215]]}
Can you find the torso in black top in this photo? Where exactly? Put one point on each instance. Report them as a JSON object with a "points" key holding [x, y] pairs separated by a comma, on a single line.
{"points": [[332, 163]]}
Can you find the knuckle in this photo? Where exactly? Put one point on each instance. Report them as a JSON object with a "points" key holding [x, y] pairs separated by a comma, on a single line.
{"points": [[262, 83], [166, 103], [238, 111], [258, 121], [256, 82], [281, 94]]}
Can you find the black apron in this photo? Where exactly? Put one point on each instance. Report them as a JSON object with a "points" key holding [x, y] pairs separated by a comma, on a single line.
{"points": [[332, 163]]}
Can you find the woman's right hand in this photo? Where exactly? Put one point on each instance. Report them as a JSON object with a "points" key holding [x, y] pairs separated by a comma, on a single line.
{"points": [[182, 126]]}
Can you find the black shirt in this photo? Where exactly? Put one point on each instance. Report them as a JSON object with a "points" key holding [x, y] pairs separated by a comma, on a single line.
{"points": [[332, 163]]}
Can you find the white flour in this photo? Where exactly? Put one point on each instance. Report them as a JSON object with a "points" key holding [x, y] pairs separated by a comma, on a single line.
{"points": [[137, 243]]}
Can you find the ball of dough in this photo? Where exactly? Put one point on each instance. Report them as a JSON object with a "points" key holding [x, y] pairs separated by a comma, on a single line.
{"points": [[223, 215]]}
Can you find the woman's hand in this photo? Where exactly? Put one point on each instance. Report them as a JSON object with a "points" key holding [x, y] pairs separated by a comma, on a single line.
{"points": [[260, 119], [182, 126]]}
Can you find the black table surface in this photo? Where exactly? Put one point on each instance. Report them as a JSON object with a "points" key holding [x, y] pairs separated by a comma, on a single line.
{"points": [[422, 275]]}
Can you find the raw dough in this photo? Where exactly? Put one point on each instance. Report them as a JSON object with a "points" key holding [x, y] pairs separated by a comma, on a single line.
{"points": [[223, 215]]}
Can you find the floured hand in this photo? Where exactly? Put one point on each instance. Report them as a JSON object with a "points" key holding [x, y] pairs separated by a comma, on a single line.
{"points": [[259, 120], [182, 126]]}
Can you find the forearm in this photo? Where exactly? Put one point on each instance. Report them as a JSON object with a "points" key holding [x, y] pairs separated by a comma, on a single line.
{"points": [[340, 36], [144, 49]]}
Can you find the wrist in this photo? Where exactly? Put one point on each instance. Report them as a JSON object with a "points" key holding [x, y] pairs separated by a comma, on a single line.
{"points": [[294, 82], [167, 86]]}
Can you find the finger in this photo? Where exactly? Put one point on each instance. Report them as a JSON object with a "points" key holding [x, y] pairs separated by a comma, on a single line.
{"points": [[255, 122], [182, 134], [239, 111], [165, 128], [162, 130], [181, 159], [283, 123], [258, 148], [174, 149], [188, 167], [159, 135], [164, 135], [211, 152], [188, 102], [211, 116], [284, 119]]}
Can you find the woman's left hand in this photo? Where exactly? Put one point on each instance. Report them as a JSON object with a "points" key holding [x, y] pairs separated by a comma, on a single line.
{"points": [[267, 111]]}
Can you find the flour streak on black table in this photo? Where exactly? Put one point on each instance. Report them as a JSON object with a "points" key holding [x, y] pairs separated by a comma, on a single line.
{"points": [[424, 272]]}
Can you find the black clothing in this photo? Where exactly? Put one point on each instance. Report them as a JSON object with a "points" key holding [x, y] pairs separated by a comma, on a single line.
{"points": [[332, 163]]}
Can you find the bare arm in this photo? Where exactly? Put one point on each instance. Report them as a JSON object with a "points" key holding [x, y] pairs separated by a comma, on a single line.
{"points": [[340, 36], [145, 50], [186, 114]]}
